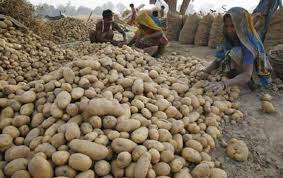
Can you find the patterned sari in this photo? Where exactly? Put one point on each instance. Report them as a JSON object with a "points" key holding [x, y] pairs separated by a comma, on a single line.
{"points": [[249, 39]]}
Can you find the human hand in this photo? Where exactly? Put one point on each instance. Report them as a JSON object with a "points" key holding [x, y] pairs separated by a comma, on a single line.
{"points": [[215, 87]]}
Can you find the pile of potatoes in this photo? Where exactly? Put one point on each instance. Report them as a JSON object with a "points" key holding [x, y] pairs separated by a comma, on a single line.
{"points": [[69, 30], [118, 113], [25, 56]]}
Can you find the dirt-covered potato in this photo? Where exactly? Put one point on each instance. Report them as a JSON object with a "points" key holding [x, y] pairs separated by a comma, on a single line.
{"points": [[191, 155], [102, 168], [40, 167], [237, 149], [60, 158], [80, 162]]}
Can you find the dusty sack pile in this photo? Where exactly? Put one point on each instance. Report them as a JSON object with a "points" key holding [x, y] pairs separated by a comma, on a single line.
{"points": [[189, 29], [25, 56], [175, 23], [274, 35], [118, 113], [276, 60], [69, 30], [202, 34], [216, 32]]}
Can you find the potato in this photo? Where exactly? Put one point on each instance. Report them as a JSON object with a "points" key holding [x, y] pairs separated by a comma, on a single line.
{"points": [[267, 107], [102, 168], [95, 122], [142, 165], [109, 122], [27, 109], [201, 170], [63, 99], [15, 165], [154, 144], [138, 86], [138, 151], [93, 150], [130, 170], [164, 135], [69, 75], [213, 131], [151, 174], [193, 128], [86, 174], [177, 127], [266, 97], [127, 125], [167, 156], [194, 145], [162, 169], [139, 135], [172, 111], [72, 131], [40, 167], [184, 173], [120, 145], [191, 155], [58, 139], [65, 171], [115, 170], [176, 165], [12, 131], [27, 97], [155, 155], [45, 148], [123, 159], [16, 152], [60, 157], [237, 149], [162, 104], [80, 162], [20, 120], [21, 174], [5, 141], [218, 173]]}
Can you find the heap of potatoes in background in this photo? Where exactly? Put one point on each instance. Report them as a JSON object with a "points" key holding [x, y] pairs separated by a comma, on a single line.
{"points": [[26, 57], [118, 113], [68, 29]]}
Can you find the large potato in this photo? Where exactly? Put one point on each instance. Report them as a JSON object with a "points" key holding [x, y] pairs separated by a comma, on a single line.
{"points": [[139, 135], [5, 141], [80, 162], [128, 125], [65, 171], [86, 174], [191, 155], [93, 150], [15, 165], [142, 166], [162, 169], [184, 173], [40, 167], [16, 152], [237, 149], [124, 159], [63, 99], [21, 174], [72, 131], [121, 144]]}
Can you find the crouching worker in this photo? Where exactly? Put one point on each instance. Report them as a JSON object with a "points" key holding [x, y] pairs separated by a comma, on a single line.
{"points": [[105, 30], [149, 36], [242, 56]]}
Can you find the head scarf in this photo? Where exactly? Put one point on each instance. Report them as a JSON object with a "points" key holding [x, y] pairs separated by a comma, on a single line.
{"points": [[249, 38], [145, 20]]}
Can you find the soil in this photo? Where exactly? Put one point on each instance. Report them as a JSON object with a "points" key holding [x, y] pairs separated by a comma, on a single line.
{"points": [[263, 133]]}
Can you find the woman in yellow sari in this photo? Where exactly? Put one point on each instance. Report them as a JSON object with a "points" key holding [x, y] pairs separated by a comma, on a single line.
{"points": [[149, 35]]}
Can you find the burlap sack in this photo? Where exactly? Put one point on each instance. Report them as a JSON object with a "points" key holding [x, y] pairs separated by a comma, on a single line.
{"points": [[276, 60], [174, 26], [216, 32], [187, 34], [274, 35], [202, 34]]}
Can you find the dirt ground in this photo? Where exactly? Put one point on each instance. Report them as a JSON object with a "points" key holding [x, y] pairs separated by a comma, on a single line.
{"points": [[263, 133]]}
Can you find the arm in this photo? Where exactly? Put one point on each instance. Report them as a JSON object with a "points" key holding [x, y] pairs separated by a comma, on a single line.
{"points": [[118, 28], [242, 78], [157, 34], [214, 65]]}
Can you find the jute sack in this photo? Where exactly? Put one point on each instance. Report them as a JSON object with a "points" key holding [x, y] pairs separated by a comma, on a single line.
{"points": [[174, 26], [187, 34], [216, 32], [276, 60], [274, 35], [202, 34]]}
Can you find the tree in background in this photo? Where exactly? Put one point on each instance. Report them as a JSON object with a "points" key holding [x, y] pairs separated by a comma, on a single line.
{"points": [[83, 11], [173, 6]]}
